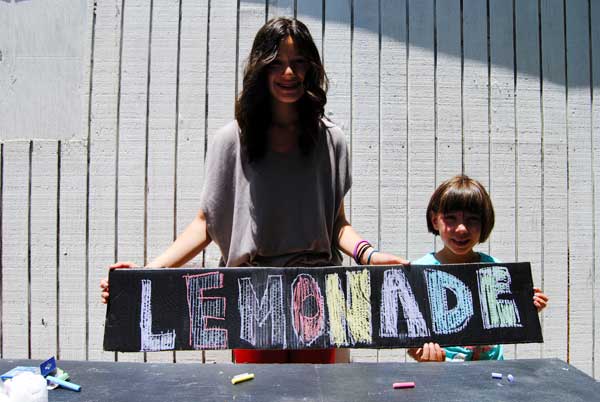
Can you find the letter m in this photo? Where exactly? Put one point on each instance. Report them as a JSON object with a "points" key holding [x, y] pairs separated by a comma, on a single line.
{"points": [[254, 327]]}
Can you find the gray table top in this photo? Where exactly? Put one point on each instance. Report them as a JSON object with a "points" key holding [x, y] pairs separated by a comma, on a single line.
{"points": [[535, 380]]}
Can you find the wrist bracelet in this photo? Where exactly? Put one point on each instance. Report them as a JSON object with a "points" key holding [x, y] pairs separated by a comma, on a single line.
{"points": [[356, 247], [370, 255], [361, 252]]}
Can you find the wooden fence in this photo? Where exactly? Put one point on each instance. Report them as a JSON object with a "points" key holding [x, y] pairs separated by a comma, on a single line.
{"points": [[505, 91]]}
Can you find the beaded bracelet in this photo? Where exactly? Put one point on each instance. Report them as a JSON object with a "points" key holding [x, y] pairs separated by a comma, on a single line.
{"points": [[356, 247]]}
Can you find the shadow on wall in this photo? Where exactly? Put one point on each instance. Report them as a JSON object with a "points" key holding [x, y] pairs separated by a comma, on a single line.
{"points": [[477, 30]]}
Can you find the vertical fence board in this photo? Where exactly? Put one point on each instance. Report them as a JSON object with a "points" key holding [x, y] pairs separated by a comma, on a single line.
{"points": [[475, 91], [421, 124], [192, 118], [15, 243], [529, 129], [7, 46], [580, 186], [555, 245], [310, 12], [43, 227], [393, 146], [595, 45], [132, 137], [221, 91], [251, 17], [71, 252], [448, 92], [278, 8], [102, 168], [365, 132], [161, 135], [502, 128]]}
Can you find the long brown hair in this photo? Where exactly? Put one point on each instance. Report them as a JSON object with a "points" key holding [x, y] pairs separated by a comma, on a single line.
{"points": [[253, 106]]}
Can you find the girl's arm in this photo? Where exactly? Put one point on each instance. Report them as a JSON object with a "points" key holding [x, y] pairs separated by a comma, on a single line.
{"points": [[347, 239], [188, 244]]}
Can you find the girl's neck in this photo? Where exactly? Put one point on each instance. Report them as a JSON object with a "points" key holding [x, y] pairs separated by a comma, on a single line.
{"points": [[445, 256], [283, 132]]}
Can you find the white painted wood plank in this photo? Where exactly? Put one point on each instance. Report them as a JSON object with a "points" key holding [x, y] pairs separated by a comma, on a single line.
{"points": [[44, 277], [421, 125], [502, 126], [221, 90], [475, 92], [448, 92], [555, 244], [595, 44], [529, 161], [310, 12], [365, 132], [252, 16], [15, 242], [581, 243], [131, 186], [337, 59], [191, 130], [7, 44], [161, 135], [393, 140], [102, 156], [281, 8], [72, 297]]}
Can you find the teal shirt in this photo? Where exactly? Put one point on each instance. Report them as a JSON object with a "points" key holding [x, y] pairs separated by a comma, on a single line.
{"points": [[462, 353]]}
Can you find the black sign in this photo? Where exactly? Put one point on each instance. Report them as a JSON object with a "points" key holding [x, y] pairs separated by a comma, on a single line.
{"points": [[299, 308]]}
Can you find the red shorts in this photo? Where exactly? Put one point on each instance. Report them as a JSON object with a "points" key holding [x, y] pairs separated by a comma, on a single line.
{"points": [[319, 356]]}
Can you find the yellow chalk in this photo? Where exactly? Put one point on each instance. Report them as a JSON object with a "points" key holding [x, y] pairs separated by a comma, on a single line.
{"points": [[242, 378]]}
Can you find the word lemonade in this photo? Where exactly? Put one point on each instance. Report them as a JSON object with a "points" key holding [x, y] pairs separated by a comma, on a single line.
{"points": [[322, 307]]}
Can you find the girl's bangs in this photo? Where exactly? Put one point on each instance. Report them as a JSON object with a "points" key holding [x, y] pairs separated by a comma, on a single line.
{"points": [[467, 198]]}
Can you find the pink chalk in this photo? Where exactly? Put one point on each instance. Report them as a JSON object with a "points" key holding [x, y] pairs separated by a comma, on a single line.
{"points": [[404, 385]]}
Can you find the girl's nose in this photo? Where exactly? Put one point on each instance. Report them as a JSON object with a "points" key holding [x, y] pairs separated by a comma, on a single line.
{"points": [[461, 227], [288, 70]]}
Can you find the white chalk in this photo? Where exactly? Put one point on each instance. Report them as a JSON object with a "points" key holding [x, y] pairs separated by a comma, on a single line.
{"points": [[497, 376]]}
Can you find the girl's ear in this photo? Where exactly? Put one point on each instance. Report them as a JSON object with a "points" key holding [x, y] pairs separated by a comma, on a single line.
{"points": [[433, 220]]}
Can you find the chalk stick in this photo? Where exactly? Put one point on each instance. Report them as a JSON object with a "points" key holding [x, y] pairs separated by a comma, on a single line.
{"points": [[497, 376], [242, 377], [510, 378], [409, 384]]}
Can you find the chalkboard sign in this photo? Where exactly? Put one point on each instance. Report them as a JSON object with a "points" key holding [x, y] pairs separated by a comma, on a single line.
{"points": [[300, 308]]}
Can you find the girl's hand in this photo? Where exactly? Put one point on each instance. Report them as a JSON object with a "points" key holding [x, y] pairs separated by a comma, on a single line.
{"points": [[540, 300], [379, 258], [430, 352], [104, 290]]}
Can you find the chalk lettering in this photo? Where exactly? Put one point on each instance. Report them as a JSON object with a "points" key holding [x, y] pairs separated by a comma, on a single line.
{"points": [[336, 307], [307, 309], [397, 289], [444, 319], [152, 342], [359, 306], [202, 308], [253, 316], [496, 313]]}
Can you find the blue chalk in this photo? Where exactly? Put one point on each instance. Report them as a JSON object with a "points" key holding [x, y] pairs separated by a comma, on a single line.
{"points": [[510, 378], [64, 384], [497, 376]]}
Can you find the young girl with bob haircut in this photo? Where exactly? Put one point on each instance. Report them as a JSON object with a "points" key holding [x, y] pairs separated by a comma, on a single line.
{"points": [[460, 211], [275, 178]]}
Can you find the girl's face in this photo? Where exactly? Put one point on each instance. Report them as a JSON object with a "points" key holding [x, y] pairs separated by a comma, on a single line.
{"points": [[285, 74], [459, 230]]}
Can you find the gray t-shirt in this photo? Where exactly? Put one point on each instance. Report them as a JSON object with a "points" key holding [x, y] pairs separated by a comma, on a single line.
{"points": [[279, 211]]}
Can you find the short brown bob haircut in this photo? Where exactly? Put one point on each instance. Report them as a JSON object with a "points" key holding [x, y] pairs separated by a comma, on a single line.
{"points": [[461, 193]]}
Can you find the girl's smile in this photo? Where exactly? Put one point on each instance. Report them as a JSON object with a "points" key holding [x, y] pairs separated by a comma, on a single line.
{"points": [[286, 73], [460, 231]]}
